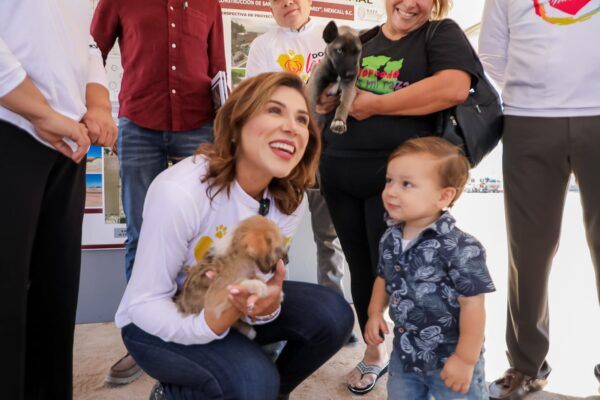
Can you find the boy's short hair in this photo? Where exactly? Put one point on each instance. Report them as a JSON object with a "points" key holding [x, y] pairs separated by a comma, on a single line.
{"points": [[453, 165]]}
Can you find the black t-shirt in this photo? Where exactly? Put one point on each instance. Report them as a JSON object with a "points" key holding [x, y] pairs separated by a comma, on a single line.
{"points": [[390, 65]]}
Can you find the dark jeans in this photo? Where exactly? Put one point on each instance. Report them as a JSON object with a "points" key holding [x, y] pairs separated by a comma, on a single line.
{"points": [[315, 321], [43, 195], [143, 154]]}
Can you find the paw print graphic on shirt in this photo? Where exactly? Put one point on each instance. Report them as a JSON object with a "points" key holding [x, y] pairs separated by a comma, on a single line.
{"points": [[220, 231]]}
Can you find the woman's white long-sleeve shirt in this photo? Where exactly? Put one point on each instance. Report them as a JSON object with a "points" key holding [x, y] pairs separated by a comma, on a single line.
{"points": [[48, 41], [180, 224], [546, 68]]}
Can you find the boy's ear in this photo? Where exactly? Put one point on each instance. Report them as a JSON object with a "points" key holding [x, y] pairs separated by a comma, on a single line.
{"points": [[448, 194], [330, 32]]}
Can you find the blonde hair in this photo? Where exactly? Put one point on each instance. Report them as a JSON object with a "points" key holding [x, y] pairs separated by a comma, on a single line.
{"points": [[246, 101], [440, 8], [453, 166]]}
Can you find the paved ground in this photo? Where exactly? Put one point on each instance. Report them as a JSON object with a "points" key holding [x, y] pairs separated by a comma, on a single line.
{"points": [[97, 346]]}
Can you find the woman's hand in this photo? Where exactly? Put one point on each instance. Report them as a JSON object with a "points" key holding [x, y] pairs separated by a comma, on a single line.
{"points": [[327, 102], [376, 325], [364, 105], [253, 306]]}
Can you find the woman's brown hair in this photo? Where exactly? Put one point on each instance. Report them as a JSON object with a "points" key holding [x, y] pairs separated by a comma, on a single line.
{"points": [[247, 100]]}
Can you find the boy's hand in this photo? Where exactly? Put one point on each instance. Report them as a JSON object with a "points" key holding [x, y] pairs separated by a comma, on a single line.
{"points": [[457, 374], [375, 325]]}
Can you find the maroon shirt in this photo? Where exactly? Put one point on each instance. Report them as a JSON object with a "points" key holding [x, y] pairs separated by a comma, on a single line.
{"points": [[170, 50]]}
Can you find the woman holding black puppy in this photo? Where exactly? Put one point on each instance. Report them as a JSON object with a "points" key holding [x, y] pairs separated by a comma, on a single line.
{"points": [[264, 157], [403, 82]]}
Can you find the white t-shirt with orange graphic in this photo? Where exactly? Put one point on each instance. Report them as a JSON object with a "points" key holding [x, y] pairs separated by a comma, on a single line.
{"points": [[283, 49], [180, 224], [544, 55]]}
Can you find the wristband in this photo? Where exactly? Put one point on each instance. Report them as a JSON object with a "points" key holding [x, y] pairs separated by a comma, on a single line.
{"points": [[262, 319]]}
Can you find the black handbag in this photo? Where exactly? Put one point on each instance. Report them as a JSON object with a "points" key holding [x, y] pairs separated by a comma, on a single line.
{"points": [[475, 125]]}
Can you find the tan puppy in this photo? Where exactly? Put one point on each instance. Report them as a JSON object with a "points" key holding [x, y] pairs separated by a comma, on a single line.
{"points": [[247, 256]]}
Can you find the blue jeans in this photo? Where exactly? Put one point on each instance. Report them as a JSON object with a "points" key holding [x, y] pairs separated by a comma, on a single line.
{"points": [[315, 321], [412, 386], [143, 154]]}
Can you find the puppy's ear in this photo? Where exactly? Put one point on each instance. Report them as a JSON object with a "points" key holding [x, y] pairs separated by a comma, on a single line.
{"points": [[368, 34], [330, 32]]}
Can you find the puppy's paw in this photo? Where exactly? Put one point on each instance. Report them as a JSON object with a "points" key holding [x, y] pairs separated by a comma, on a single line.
{"points": [[338, 126], [255, 286]]}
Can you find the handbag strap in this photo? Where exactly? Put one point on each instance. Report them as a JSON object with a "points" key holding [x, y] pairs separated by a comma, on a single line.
{"points": [[432, 29]]}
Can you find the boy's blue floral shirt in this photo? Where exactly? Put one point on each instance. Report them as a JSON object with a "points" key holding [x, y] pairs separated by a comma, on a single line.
{"points": [[424, 282]]}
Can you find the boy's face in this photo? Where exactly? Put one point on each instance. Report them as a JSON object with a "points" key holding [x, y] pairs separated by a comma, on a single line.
{"points": [[412, 191], [291, 13]]}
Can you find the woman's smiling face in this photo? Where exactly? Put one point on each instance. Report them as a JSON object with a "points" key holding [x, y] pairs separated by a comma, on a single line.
{"points": [[274, 140], [405, 16]]}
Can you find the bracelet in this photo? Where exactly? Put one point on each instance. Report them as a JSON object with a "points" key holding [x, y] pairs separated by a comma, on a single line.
{"points": [[262, 319]]}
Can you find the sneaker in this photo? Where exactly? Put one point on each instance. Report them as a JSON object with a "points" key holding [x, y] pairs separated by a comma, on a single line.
{"points": [[124, 371], [515, 385], [157, 392]]}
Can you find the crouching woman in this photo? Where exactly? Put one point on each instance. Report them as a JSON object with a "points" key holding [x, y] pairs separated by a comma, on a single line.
{"points": [[265, 151]]}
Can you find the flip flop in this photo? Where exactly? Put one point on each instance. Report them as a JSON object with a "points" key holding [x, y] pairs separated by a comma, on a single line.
{"points": [[368, 369]]}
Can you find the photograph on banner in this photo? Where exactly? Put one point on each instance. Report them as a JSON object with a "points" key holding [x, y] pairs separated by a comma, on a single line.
{"points": [[93, 178], [104, 220], [93, 191]]}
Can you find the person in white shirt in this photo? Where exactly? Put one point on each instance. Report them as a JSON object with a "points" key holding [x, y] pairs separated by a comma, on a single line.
{"points": [[263, 158], [53, 104], [539, 54], [297, 46]]}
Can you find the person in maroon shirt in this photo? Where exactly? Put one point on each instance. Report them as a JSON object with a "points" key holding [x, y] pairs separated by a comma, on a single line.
{"points": [[170, 50]]}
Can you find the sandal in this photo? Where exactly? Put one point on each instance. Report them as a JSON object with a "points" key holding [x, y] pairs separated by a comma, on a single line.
{"points": [[368, 369]]}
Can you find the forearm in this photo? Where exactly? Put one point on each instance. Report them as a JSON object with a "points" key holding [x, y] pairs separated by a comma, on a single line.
{"points": [[221, 324], [96, 96], [27, 101], [471, 328], [379, 298], [443, 90]]}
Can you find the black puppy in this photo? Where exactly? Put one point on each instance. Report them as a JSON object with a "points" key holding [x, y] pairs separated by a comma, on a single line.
{"points": [[340, 64]]}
